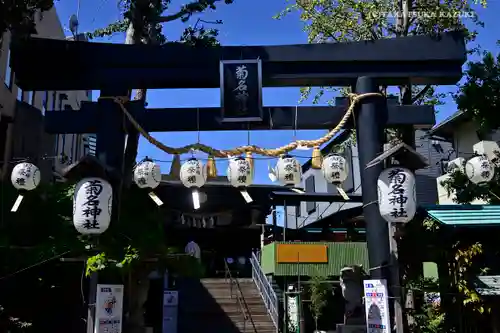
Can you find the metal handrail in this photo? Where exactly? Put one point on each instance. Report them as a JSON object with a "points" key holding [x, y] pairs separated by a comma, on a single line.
{"points": [[266, 290], [241, 299]]}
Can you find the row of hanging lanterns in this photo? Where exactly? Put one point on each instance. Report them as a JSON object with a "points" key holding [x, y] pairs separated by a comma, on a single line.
{"points": [[92, 201]]}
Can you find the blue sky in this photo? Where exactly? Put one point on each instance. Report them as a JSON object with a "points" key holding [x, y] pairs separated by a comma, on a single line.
{"points": [[246, 22]]}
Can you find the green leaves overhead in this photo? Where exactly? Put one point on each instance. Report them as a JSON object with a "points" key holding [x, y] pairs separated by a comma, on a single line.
{"points": [[480, 94], [19, 15], [151, 15], [336, 21]]}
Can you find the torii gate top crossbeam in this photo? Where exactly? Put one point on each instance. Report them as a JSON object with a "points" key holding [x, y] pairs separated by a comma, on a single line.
{"points": [[69, 65]]}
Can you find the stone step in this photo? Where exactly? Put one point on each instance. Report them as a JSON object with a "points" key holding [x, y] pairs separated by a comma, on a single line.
{"points": [[229, 309], [194, 324], [221, 280], [217, 329]]}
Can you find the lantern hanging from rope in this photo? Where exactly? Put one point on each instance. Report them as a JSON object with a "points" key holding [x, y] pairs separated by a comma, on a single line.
{"points": [[480, 169], [335, 170], [92, 203], [397, 195], [193, 175], [147, 174], [287, 171], [24, 177], [240, 175]]}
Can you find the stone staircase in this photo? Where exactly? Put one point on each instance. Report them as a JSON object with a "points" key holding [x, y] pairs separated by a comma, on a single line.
{"points": [[206, 306]]}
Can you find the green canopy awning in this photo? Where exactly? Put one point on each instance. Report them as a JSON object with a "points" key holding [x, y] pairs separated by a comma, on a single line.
{"points": [[465, 215]]}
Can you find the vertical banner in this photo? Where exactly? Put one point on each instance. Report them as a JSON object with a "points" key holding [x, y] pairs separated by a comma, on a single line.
{"points": [[376, 306], [170, 311], [109, 308], [241, 90], [293, 314]]}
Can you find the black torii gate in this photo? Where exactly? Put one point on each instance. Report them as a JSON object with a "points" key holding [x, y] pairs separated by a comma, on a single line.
{"points": [[116, 69]]}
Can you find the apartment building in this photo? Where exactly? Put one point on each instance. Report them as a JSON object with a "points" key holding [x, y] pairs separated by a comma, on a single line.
{"points": [[21, 114]]}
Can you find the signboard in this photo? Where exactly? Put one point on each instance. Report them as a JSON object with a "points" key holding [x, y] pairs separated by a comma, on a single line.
{"points": [[170, 310], [109, 308], [241, 90], [376, 306], [293, 314]]}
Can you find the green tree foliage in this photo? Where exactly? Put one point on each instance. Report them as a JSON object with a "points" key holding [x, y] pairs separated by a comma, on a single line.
{"points": [[147, 17], [43, 229], [480, 94], [479, 97], [335, 21], [18, 15], [319, 288]]}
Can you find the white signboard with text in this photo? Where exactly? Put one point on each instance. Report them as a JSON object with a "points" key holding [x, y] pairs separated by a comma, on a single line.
{"points": [[109, 308], [376, 306], [170, 311]]}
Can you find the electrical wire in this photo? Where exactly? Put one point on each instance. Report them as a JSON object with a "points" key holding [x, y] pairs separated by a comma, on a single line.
{"points": [[34, 265]]}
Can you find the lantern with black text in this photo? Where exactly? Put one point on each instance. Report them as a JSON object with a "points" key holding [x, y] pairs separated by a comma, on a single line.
{"points": [[397, 195], [193, 174], [335, 169], [480, 169], [25, 176], [92, 203], [288, 171], [239, 174], [147, 174]]}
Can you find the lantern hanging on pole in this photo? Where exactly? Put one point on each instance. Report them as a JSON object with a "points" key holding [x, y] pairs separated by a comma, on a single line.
{"points": [[480, 169], [239, 174], [92, 203], [288, 171], [397, 196], [336, 170], [147, 174], [193, 174], [24, 177]]}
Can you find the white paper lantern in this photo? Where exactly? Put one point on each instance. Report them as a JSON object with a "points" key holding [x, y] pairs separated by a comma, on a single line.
{"points": [[335, 169], [92, 206], [25, 176], [147, 174], [397, 195], [288, 171], [239, 172], [479, 169], [193, 173]]}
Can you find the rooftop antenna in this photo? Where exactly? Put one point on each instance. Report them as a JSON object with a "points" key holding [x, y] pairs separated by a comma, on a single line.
{"points": [[73, 25]]}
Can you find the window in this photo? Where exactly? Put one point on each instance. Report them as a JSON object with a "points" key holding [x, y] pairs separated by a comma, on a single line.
{"points": [[31, 97], [8, 72], [310, 188], [20, 94]]}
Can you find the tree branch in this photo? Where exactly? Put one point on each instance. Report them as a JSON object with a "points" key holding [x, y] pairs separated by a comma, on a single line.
{"points": [[421, 93], [188, 10]]}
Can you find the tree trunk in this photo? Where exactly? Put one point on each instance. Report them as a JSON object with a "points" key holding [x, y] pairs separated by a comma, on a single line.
{"points": [[132, 138]]}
